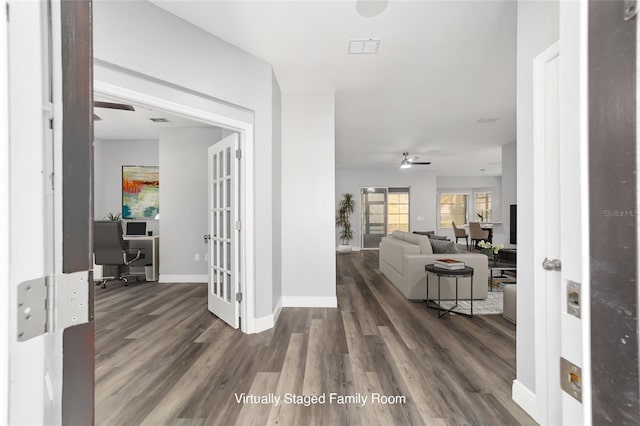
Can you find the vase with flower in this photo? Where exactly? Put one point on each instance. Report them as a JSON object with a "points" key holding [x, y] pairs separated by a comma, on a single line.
{"points": [[490, 250]]}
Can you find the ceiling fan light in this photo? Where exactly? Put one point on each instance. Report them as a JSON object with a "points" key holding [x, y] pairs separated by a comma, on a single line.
{"points": [[404, 164]]}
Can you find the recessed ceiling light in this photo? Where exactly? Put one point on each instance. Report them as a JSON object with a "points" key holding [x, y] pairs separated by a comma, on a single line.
{"points": [[363, 47], [159, 120], [487, 120]]}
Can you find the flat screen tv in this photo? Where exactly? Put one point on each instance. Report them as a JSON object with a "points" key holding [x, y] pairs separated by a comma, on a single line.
{"points": [[513, 224]]}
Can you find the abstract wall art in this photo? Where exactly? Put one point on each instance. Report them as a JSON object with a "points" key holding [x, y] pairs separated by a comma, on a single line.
{"points": [[140, 192]]}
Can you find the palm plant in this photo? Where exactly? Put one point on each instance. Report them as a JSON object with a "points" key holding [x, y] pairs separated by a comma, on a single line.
{"points": [[343, 217]]}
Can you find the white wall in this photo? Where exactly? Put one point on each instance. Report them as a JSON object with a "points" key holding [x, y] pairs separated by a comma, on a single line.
{"points": [[308, 192], [144, 40], [509, 189], [109, 157], [470, 185], [422, 201], [538, 27], [183, 201]]}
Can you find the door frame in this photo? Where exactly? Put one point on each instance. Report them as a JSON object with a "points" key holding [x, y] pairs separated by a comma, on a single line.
{"points": [[4, 219], [222, 117], [545, 331]]}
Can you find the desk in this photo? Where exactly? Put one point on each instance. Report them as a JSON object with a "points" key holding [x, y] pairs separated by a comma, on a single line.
{"points": [[150, 246]]}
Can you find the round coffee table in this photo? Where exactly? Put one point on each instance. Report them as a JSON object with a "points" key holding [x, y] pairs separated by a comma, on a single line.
{"points": [[456, 273]]}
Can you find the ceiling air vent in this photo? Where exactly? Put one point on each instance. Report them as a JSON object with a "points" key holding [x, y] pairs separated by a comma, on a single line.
{"points": [[487, 120], [159, 120], [363, 47]]}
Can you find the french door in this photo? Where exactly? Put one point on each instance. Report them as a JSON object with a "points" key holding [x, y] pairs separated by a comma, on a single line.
{"points": [[224, 283]]}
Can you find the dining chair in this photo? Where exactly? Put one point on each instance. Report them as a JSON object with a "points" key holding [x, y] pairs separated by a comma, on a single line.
{"points": [[460, 233]]}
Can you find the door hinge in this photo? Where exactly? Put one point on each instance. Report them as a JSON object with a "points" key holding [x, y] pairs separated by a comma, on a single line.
{"points": [[52, 303], [238, 154], [630, 9], [238, 226], [239, 297]]}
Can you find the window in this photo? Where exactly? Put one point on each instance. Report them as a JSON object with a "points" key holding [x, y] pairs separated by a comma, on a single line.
{"points": [[397, 210], [453, 207], [483, 205]]}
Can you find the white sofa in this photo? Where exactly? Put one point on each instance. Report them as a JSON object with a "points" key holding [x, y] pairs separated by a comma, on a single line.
{"points": [[403, 257]]}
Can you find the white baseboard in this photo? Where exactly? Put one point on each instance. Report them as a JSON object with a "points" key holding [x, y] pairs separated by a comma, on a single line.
{"points": [[276, 311], [524, 398], [309, 302], [268, 321], [191, 278], [352, 248]]}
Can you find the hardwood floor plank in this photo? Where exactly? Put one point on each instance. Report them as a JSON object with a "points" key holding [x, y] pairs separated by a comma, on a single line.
{"points": [[254, 414], [290, 381]]}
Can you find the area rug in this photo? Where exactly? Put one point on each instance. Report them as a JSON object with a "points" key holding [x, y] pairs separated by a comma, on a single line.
{"points": [[492, 305]]}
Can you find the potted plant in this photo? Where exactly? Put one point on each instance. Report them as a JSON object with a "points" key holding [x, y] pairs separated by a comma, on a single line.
{"points": [[114, 217], [343, 221]]}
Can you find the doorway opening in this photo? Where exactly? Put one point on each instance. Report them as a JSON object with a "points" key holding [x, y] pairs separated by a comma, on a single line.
{"points": [[206, 112]]}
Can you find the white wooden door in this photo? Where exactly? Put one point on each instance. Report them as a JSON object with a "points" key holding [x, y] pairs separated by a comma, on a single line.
{"points": [[557, 247], [224, 280]]}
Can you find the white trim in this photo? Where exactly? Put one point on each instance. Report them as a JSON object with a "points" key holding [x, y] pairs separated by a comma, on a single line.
{"points": [[309, 302], [189, 278], [204, 114], [268, 321], [276, 311], [524, 398], [352, 248], [547, 324], [4, 222]]}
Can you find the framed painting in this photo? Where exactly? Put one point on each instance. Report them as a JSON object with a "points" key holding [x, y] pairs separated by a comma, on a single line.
{"points": [[140, 192]]}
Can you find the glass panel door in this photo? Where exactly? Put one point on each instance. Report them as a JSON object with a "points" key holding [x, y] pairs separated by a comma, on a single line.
{"points": [[374, 212]]}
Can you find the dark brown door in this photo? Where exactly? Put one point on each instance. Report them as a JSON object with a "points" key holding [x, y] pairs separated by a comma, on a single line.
{"points": [[613, 215]]}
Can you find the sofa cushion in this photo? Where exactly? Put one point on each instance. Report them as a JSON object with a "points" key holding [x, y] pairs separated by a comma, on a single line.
{"points": [[443, 247], [398, 235], [412, 238], [393, 250], [425, 245]]}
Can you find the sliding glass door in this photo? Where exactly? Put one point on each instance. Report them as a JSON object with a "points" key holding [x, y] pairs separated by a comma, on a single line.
{"points": [[384, 210]]}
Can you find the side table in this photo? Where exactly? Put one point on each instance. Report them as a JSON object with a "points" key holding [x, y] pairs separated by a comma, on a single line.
{"points": [[458, 273]]}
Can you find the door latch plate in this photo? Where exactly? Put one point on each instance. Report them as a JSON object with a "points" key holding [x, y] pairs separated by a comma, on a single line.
{"points": [[571, 379], [573, 299]]}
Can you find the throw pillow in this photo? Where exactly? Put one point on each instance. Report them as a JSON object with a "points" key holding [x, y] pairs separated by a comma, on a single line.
{"points": [[443, 247]]}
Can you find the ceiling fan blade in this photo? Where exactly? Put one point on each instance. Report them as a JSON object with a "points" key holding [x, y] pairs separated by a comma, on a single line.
{"points": [[113, 105], [96, 117], [418, 162]]}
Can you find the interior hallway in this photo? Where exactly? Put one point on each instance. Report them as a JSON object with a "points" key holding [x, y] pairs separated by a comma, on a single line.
{"points": [[162, 358]]}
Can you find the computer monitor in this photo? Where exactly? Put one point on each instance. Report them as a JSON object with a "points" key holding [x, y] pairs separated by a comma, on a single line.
{"points": [[136, 228]]}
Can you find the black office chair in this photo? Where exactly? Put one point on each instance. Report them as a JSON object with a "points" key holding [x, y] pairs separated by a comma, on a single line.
{"points": [[110, 249]]}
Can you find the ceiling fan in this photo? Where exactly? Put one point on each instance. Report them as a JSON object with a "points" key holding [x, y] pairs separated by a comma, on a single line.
{"points": [[110, 105], [406, 163]]}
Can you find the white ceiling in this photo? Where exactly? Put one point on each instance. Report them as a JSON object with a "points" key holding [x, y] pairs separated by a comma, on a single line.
{"points": [[134, 125], [441, 66]]}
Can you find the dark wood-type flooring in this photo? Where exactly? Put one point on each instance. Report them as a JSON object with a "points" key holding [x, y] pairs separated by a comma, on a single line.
{"points": [[162, 358]]}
